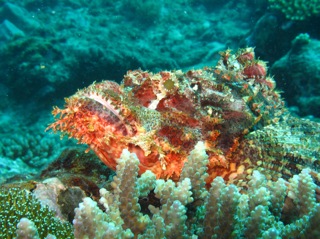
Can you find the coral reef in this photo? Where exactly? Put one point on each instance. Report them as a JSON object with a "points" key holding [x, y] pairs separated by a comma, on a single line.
{"points": [[50, 46], [296, 9], [197, 153], [224, 212], [160, 117], [32, 147], [25, 148]]}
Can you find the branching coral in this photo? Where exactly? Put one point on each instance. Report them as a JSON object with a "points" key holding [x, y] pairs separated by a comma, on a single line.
{"points": [[296, 9], [261, 208], [188, 211]]}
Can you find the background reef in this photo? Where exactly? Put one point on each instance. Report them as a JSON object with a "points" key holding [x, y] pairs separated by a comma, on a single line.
{"points": [[51, 48]]}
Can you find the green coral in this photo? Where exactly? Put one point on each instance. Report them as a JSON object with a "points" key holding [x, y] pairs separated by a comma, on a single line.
{"points": [[21, 213], [296, 9]]}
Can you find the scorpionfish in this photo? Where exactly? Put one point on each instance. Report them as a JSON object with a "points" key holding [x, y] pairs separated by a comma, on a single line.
{"points": [[161, 116]]}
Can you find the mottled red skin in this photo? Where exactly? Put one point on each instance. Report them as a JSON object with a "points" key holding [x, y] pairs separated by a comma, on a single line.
{"points": [[161, 117]]}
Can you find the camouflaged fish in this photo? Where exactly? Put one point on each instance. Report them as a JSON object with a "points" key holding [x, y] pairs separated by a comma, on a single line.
{"points": [[232, 107]]}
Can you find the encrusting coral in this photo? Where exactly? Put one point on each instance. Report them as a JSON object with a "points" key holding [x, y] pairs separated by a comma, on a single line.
{"points": [[224, 212]]}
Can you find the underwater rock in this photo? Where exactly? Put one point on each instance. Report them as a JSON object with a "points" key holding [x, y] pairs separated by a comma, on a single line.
{"points": [[298, 74], [19, 16], [74, 167], [9, 31]]}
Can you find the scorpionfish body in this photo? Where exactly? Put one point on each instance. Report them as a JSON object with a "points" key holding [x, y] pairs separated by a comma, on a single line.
{"points": [[162, 116]]}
